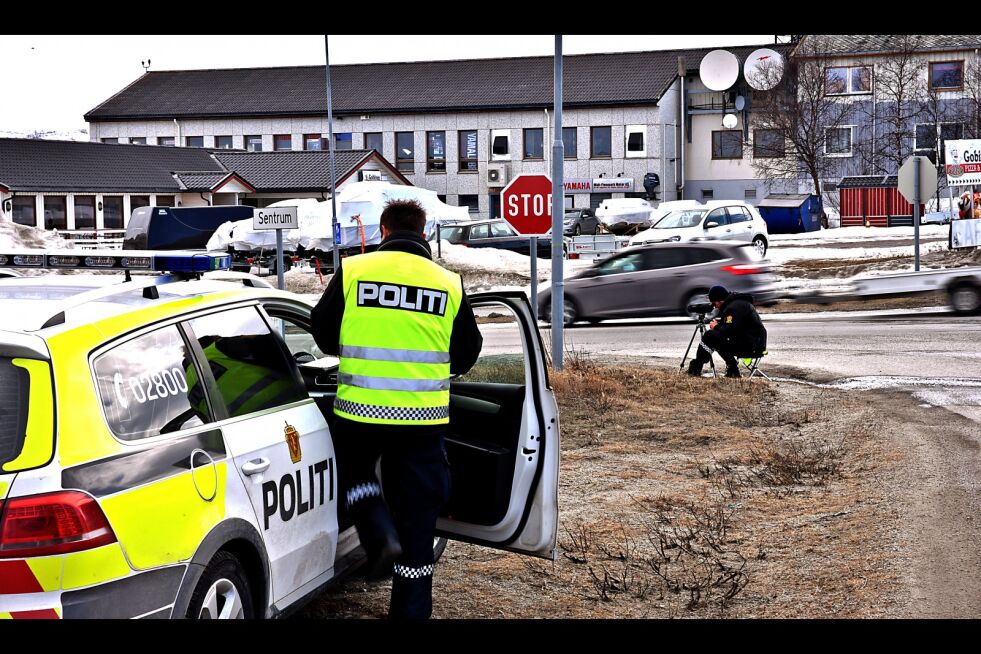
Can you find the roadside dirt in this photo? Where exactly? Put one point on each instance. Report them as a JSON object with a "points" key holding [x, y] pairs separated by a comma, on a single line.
{"points": [[688, 497]]}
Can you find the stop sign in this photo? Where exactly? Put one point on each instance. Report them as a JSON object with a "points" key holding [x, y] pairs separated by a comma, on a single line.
{"points": [[526, 203]]}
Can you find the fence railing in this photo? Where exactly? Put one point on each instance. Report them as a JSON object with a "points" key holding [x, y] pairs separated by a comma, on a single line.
{"points": [[94, 239]]}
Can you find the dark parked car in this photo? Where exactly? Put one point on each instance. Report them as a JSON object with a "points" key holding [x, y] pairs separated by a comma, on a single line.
{"points": [[661, 279], [493, 234], [580, 221]]}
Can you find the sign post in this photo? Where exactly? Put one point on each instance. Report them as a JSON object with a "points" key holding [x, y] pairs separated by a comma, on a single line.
{"points": [[526, 204], [917, 180], [278, 218], [558, 195]]}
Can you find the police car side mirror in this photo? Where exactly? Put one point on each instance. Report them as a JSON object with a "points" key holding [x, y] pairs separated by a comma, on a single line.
{"points": [[303, 357]]}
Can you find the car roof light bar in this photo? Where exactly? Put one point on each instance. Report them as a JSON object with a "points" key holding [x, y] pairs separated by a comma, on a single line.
{"points": [[158, 261]]}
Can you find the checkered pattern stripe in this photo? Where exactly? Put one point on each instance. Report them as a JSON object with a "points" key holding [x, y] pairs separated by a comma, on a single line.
{"points": [[391, 412], [361, 491], [414, 573]]}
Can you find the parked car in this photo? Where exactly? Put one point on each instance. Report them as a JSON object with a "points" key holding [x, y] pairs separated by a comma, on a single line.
{"points": [[580, 221], [494, 233], [664, 208], [661, 279], [713, 221], [935, 218], [166, 446]]}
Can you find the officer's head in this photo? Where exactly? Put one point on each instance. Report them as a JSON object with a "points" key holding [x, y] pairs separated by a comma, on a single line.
{"points": [[403, 215], [717, 295]]}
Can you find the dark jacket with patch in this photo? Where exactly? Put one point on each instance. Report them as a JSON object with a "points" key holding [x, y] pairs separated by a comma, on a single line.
{"points": [[741, 325]]}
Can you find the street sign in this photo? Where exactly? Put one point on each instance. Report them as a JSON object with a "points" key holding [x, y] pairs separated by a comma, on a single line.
{"points": [[275, 218], [526, 203], [927, 180]]}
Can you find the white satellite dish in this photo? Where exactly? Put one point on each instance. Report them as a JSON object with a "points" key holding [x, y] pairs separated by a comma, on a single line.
{"points": [[719, 70], [729, 121], [740, 103], [763, 69]]}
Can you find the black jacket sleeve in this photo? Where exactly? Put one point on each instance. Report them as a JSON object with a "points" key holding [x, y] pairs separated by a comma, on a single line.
{"points": [[465, 339], [325, 319]]}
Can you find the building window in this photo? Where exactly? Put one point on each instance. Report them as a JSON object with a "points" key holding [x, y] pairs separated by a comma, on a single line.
{"points": [[405, 151], [194, 141], [55, 212], [164, 201], [829, 187], [569, 142], [848, 80], [926, 135], [946, 75], [471, 202], [635, 141], [838, 141], [373, 141], [223, 142], [534, 143], [137, 140], [253, 143], [707, 194], [441, 198], [468, 150], [436, 152], [768, 143], [165, 140], [112, 211], [313, 142], [749, 194], [727, 144], [84, 212], [500, 144], [112, 139], [343, 141], [24, 209], [137, 201], [283, 142], [601, 141]]}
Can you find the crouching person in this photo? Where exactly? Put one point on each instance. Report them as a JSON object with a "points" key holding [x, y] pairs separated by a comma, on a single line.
{"points": [[736, 332]]}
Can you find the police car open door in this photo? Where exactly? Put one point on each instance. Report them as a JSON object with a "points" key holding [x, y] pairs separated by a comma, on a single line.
{"points": [[503, 441]]}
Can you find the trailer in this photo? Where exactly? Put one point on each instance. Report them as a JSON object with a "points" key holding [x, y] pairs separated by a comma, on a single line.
{"points": [[595, 246]]}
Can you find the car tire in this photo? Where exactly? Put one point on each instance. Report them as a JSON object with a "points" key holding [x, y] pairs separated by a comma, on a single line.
{"points": [[761, 245], [965, 298], [577, 230], [571, 313], [223, 591]]}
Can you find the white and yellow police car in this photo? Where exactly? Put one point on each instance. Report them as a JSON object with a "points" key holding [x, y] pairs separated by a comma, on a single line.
{"points": [[165, 446]]}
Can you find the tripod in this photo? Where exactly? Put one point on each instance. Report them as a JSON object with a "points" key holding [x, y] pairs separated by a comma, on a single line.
{"points": [[699, 331]]}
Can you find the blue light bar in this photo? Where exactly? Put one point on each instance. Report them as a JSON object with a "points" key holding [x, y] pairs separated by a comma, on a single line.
{"points": [[161, 261]]}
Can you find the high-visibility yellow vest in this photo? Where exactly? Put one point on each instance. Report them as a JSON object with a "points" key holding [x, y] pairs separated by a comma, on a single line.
{"points": [[395, 339]]}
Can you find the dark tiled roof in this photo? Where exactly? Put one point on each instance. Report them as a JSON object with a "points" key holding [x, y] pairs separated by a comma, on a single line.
{"points": [[41, 165], [199, 180], [869, 181], [623, 78], [292, 171], [859, 44]]}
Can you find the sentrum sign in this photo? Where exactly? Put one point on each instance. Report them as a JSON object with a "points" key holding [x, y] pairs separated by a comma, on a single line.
{"points": [[963, 162], [275, 218], [526, 203]]}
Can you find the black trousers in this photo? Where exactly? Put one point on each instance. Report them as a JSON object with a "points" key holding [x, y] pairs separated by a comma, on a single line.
{"points": [[728, 348], [416, 486]]}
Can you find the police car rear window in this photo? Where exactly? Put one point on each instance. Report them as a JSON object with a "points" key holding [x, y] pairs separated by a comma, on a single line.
{"points": [[15, 387], [149, 386]]}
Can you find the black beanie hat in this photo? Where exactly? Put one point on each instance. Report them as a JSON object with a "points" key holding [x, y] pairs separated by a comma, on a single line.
{"points": [[718, 293]]}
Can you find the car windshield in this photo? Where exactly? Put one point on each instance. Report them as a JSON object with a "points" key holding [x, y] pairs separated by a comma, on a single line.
{"points": [[684, 218]]}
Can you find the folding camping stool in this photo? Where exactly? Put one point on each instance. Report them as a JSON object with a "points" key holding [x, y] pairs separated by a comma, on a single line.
{"points": [[753, 365]]}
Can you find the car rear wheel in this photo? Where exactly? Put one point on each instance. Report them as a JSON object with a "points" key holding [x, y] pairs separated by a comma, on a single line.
{"points": [[577, 230], [965, 298], [569, 314], [760, 244], [222, 592]]}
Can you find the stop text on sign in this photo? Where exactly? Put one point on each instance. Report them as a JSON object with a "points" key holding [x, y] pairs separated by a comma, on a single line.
{"points": [[527, 204]]}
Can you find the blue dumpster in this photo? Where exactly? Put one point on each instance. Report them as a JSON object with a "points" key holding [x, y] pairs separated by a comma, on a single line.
{"points": [[791, 213]]}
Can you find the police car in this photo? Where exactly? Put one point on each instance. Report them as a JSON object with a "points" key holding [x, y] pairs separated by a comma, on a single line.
{"points": [[165, 446]]}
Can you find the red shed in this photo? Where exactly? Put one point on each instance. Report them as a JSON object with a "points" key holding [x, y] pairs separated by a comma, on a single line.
{"points": [[876, 198]]}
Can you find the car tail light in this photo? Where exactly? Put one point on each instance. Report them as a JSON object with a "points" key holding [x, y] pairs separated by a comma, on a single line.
{"points": [[742, 269], [54, 523], [250, 261]]}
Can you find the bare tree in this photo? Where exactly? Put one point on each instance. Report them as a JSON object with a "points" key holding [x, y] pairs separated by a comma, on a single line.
{"points": [[798, 109]]}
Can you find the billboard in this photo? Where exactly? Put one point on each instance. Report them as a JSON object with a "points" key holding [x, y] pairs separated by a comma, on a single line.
{"points": [[963, 162]]}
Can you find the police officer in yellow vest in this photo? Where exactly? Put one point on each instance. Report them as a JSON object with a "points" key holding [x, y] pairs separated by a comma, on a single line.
{"points": [[401, 326]]}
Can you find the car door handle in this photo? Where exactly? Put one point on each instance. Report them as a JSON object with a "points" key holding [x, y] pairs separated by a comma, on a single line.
{"points": [[255, 466]]}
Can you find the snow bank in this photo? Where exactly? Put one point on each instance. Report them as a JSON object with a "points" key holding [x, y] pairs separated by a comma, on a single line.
{"points": [[14, 236]]}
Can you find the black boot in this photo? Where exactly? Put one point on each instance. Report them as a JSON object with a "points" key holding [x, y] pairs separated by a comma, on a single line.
{"points": [[378, 536], [695, 369], [732, 367]]}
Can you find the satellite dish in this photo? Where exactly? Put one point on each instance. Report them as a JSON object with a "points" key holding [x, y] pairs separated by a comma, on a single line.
{"points": [[729, 121], [740, 103], [763, 69], [719, 70]]}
